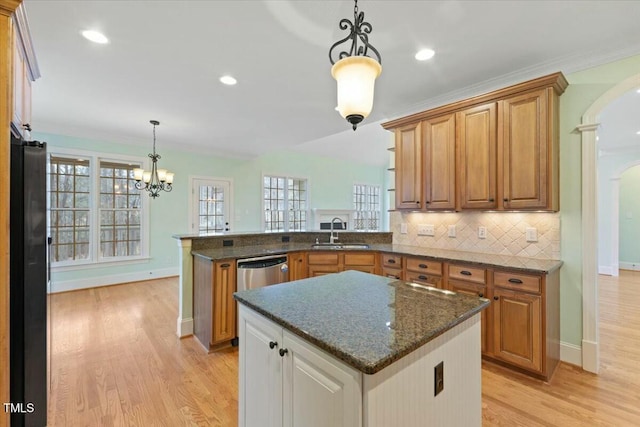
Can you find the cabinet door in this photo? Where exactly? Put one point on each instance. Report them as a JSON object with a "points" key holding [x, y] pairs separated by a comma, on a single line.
{"points": [[260, 385], [224, 306], [318, 390], [297, 266], [517, 328], [440, 162], [525, 151], [475, 290], [408, 155], [477, 157]]}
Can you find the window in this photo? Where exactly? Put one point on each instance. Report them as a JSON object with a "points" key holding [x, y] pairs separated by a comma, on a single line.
{"points": [[366, 205], [96, 213], [285, 203]]}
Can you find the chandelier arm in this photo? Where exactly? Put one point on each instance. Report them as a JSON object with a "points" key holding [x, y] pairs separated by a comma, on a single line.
{"points": [[358, 31]]}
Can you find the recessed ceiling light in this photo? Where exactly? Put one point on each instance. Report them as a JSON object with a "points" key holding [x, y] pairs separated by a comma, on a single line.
{"points": [[228, 80], [638, 133], [638, 91], [425, 54], [95, 36]]}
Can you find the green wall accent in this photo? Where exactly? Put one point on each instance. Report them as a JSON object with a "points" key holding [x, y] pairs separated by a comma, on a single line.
{"points": [[630, 216], [584, 88], [330, 186]]}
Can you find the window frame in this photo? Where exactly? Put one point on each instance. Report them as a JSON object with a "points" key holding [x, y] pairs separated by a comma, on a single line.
{"points": [[368, 188], [287, 225], [95, 258]]}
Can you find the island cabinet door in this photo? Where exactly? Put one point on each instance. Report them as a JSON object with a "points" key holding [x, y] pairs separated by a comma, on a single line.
{"points": [[260, 385], [319, 390]]}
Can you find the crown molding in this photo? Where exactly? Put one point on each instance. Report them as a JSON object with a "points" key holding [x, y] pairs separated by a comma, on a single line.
{"points": [[7, 7], [24, 34]]}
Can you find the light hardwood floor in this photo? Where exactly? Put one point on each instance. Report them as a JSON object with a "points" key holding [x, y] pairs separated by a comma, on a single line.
{"points": [[117, 362]]}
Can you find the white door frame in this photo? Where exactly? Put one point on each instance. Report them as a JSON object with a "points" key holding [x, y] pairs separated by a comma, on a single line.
{"points": [[588, 128], [230, 200]]}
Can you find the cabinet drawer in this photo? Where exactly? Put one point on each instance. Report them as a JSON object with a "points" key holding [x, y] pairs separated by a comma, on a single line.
{"points": [[359, 258], [390, 260], [324, 258], [393, 273], [420, 265], [517, 281], [425, 279], [468, 274]]}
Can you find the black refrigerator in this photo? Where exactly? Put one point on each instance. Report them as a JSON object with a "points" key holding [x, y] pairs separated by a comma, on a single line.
{"points": [[28, 283]]}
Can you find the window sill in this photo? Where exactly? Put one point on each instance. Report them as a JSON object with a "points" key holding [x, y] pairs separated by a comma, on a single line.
{"points": [[98, 264]]}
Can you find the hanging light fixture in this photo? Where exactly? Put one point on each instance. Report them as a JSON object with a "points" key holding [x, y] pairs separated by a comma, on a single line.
{"points": [[157, 179], [354, 71]]}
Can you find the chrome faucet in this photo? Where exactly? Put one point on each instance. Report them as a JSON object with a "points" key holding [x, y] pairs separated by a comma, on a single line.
{"points": [[332, 238]]}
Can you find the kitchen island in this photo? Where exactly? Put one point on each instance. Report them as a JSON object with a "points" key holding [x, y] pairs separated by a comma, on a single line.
{"points": [[355, 349]]}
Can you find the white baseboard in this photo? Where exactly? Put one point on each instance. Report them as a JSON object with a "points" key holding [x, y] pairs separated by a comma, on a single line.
{"points": [[571, 353], [590, 356], [606, 270], [185, 327], [113, 279], [629, 266]]}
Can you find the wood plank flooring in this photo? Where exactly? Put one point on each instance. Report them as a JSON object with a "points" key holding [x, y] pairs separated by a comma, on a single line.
{"points": [[117, 362]]}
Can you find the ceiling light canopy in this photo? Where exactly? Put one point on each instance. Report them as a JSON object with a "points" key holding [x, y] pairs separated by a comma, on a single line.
{"points": [[95, 36], [228, 80], [424, 54], [354, 71]]}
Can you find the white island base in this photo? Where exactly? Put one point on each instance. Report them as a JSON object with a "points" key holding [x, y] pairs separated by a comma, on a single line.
{"points": [[308, 387]]}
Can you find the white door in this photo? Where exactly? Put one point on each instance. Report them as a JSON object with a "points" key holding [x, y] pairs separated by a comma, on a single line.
{"points": [[211, 205], [260, 403], [318, 390]]}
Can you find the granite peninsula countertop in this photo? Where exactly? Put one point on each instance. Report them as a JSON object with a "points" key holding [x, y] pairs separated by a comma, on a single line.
{"points": [[365, 320], [530, 265]]}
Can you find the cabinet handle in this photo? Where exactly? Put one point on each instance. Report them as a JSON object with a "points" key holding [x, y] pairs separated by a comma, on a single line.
{"points": [[417, 202], [491, 200], [505, 200], [391, 261], [225, 265], [495, 298], [516, 281], [465, 272], [273, 344], [283, 351], [481, 295], [427, 202], [423, 277], [423, 266]]}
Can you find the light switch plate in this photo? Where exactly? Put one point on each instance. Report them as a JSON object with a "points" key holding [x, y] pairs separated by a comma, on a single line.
{"points": [[532, 234], [403, 228], [482, 232], [426, 230], [452, 231]]}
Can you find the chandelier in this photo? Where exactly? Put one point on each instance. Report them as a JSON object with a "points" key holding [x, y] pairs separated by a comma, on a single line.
{"points": [[156, 180], [354, 71]]}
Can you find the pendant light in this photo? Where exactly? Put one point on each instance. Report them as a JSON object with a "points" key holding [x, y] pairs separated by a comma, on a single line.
{"points": [[156, 180]]}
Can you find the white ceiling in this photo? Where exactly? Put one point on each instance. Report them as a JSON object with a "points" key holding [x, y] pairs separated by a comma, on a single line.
{"points": [[165, 57]]}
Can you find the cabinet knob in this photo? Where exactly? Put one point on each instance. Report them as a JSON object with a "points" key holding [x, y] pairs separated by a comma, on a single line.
{"points": [[273, 344], [491, 200], [417, 202], [423, 277], [505, 200], [427, 202], [283, 351], [495, 298], [481, 295]]}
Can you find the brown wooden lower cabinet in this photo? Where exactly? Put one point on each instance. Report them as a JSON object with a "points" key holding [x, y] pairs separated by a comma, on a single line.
{"points": [[474, 289], [424, 271], [297, 265], [214, 309], [321, 263]]}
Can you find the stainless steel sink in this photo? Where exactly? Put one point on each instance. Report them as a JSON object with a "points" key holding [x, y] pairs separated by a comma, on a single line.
{"points": [[340, 246]]}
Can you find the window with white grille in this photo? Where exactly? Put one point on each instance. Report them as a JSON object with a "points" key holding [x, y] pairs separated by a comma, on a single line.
{"points": [[285, 203], [366, 205]]}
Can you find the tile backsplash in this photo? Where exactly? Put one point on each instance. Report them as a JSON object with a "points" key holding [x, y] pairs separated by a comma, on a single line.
{"points": [[505, 232]]}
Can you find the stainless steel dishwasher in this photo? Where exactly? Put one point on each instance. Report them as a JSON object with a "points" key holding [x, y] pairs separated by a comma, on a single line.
{"points": [[262, 271]]}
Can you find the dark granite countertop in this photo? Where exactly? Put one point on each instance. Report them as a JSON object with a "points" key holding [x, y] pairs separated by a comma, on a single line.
{"points": [[527, 265], [367, 321]]}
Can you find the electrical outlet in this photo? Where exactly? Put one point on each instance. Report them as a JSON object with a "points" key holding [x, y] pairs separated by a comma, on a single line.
{"points": [[426, 230], [532, 234], [403, 228], [452, 231], [438, 378], [482, 232]]}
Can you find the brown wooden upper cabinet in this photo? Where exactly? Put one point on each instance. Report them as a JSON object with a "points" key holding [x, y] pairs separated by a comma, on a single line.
{"points": [[506, 151], [408, 156], [439, 135]]}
